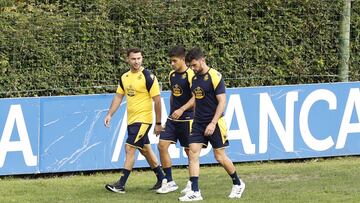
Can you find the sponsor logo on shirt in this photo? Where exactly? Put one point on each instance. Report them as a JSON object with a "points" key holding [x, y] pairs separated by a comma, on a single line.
{"points": [[199, 93], [130, 91], [176, 90]]}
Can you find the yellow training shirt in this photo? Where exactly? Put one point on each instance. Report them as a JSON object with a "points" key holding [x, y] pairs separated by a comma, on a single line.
{"points": [[139, 88]]}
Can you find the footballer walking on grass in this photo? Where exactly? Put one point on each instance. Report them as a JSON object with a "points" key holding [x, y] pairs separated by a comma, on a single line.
{"points": [[209, 124], [141, 88], [178, 124]]}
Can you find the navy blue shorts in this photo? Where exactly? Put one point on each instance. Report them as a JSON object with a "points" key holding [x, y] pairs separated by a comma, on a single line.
{"points": [[218, 139], [138, 134], [177, 130]]}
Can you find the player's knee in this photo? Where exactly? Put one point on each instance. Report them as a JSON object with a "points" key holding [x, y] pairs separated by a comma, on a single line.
{"points": [[129, 150], [144, 151], [162, 146], [194, 150], [220, 158], [129, 156], [193, 155]]}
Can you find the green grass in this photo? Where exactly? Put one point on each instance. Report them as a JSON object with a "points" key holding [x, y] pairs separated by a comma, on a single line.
{"points": [[316, 180]]}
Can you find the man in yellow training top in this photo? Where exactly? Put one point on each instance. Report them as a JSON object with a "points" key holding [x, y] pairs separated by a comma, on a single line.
{"points": [[141, 88]]}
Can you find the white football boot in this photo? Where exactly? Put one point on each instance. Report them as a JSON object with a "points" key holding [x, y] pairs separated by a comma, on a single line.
{"points": [[191, 196], [237, 190]]}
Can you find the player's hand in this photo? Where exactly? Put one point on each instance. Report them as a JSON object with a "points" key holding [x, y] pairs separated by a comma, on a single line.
{"points": [[210, 129], [107, 121], [177, 113], [157, 130]]}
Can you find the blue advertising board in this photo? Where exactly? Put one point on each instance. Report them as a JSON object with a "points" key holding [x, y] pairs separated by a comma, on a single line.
{"points": [[19, 131], [61, 134]]}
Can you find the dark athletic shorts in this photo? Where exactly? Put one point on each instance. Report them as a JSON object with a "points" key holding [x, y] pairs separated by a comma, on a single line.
{"points": [[177, 130], [138, 134], [218, 139]]}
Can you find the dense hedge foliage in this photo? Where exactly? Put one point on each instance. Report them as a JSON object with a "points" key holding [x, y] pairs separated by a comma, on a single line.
{"points": [[355, 42], [62, 47]]}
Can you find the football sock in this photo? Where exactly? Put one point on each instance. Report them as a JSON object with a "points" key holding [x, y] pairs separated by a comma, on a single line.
{"points": [[168, 174], [194, 183], [235, 179], [159, 174], [124, 177]]}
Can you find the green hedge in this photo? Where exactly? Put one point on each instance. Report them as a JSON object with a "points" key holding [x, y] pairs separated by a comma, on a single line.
{"points": [[63, 47], [355, 42]]}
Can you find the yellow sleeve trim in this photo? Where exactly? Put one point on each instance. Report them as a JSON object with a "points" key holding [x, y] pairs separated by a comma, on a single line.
{"points": [[215, 77], [119, 90], [191, 74], [171, 72]]}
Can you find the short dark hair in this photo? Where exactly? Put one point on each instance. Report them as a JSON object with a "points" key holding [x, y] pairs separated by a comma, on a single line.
{"points": [[133, 50], [194, 53], [177, 51]]}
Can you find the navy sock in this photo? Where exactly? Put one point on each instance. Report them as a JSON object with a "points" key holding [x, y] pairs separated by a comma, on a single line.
{"points": [[159, 174], [168, 174], [124, 177], [194, 183], [235, 179]]}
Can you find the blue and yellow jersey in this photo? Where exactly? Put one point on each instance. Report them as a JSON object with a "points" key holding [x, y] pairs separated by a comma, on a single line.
{"points": [[205, 88], [139, 88], [181, 92]]}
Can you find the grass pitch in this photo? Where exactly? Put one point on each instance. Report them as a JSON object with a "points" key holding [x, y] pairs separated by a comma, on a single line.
{"points": [[315, 180]]}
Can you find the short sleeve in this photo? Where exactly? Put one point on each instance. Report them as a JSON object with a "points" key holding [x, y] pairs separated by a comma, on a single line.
{"points": [[218, 82], [120, 88], [155, 88], [220, 89], [152, 84]]}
